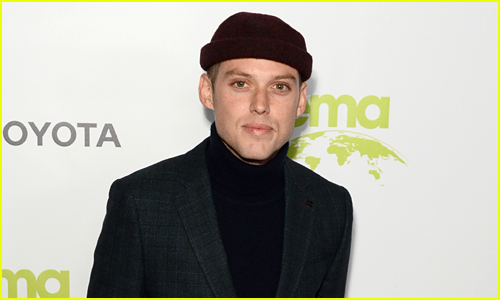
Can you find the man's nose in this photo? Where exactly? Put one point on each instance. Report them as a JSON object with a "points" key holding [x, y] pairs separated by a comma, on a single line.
{"points": [[260, 102]]}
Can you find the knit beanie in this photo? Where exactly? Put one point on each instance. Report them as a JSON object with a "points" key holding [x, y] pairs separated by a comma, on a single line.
{"points": [[252, 35]]}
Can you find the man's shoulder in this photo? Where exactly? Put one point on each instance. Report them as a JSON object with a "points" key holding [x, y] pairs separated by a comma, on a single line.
{"points": [[171, 170], [313, 183], [308, 177]]}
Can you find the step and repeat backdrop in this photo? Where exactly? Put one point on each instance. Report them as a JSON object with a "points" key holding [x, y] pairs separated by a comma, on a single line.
{"points": [[403, 111]]}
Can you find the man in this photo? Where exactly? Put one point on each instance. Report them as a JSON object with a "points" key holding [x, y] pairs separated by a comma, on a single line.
{"points": [[234, 217]]}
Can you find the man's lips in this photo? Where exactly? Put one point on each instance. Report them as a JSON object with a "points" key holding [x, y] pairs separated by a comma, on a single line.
{"points": [[257, 129]]}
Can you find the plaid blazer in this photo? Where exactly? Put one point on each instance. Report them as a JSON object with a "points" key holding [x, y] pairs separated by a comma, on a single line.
{"points": [[160, 236]]}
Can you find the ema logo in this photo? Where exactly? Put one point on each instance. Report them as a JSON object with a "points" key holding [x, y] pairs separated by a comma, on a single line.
{"points": [[323, 150], [20, 135], [354, 111], [38, 285]]}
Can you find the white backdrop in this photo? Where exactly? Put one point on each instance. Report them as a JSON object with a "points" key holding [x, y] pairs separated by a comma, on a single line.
{"points": [[425, 229]]}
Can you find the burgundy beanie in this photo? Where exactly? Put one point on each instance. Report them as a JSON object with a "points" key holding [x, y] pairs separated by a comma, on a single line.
{"points": [[251, 35]]}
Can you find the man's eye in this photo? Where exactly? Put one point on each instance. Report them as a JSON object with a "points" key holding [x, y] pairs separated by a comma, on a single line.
{"points": [[280, 86], [240, 84]]}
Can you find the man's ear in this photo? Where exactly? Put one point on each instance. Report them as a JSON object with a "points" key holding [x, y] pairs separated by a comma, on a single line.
{"points": [[302, 99], [205, 92]]}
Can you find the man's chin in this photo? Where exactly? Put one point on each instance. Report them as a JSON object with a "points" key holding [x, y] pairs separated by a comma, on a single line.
{"points": [[257, 159], [253, 157]]}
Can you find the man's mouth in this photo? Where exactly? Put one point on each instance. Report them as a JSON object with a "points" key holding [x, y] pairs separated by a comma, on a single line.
{"points": [[257, 129]]}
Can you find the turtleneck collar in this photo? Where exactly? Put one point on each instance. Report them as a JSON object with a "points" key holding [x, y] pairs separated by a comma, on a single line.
{"points": [[238, 178]]}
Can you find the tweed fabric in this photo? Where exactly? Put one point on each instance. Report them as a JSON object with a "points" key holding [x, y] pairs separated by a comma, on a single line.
{"points": [[160, 236], [251, 35]]}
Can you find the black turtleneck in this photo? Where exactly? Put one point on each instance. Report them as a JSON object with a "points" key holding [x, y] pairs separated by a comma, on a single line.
{"points": [[250, 204]]}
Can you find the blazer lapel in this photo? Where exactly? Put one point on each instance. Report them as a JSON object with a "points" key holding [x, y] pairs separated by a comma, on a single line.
{"points": [[198, 215], [299, 224]]}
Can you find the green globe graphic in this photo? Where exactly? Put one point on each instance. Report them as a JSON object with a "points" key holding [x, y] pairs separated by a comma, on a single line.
{"points": [[336, 148]]}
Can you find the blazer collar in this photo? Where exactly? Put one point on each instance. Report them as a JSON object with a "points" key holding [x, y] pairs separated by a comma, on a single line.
{"points": [[299, 224], [197, 212]]}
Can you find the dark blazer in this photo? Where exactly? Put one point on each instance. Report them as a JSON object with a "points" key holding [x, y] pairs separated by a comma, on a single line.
{"points": [[160, 236]]}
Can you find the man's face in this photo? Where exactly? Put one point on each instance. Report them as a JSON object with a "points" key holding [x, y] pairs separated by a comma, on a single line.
{"points": [[255, 103]]}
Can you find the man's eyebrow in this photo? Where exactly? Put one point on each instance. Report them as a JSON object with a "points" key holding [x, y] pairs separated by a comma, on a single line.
{"points": [[286, 76], [243, 74], [237, 73]]}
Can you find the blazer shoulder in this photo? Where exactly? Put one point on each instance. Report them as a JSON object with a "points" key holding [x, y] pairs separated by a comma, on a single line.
{"points": [[309, 177], [313, 183], [172, 171]]}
